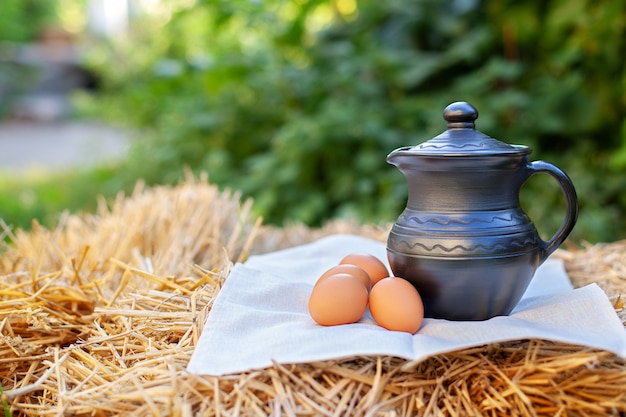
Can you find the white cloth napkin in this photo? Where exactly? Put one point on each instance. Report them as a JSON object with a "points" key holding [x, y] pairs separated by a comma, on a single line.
{"points": [[260, 316]]}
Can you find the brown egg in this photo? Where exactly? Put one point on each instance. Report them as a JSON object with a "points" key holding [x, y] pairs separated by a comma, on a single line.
{"points": [[350, 269], [338, 299], [395, 304], [369, 263]]}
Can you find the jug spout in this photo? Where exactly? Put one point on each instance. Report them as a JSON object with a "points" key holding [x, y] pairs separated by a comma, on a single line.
{"points": [[399, 156]]}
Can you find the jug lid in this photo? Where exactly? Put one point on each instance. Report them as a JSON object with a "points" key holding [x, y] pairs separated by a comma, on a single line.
{"points": [[461, 138]]}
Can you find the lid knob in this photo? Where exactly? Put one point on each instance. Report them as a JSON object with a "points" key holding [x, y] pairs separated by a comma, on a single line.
{"points": [[460, 115]]}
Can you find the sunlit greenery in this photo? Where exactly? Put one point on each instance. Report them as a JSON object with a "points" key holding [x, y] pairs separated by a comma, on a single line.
{"points": [[297, 103], [299, 110], [43, 197]]}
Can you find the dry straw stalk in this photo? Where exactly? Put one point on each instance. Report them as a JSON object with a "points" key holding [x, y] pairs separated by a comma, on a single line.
{"points": [[100, 316]]}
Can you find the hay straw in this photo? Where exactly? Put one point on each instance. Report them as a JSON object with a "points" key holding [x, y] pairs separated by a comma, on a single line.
{"points": [[603, 264], [100, 317]]}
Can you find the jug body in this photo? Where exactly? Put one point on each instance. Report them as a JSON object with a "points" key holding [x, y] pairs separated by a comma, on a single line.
{"points": [[463, 239]]}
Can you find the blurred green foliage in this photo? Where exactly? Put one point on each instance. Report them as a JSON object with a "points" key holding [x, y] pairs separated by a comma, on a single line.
{"points": [[22, 20], [43, 197], [297, 103]]}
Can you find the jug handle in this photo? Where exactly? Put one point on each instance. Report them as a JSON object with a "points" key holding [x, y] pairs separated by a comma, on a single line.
{"points": [[571, 204]]}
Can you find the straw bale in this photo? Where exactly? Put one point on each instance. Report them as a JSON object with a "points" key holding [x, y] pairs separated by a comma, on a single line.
{"points": [[603, 264], [100, 316]]}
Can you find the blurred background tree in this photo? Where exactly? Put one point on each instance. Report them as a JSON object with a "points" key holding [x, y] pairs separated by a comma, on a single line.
{"points": [[297, 103], [22, 20]]}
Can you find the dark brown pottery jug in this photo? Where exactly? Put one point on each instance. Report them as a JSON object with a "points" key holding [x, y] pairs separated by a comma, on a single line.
{"points": [[463, 240]]}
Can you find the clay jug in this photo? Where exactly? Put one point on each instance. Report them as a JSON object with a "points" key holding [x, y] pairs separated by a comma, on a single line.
{"points": [[463, 239]]}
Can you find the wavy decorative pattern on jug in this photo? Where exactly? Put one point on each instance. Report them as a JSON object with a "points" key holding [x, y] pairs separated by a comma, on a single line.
{"points": [[530, 242], [447, 220], [453, 146]]}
